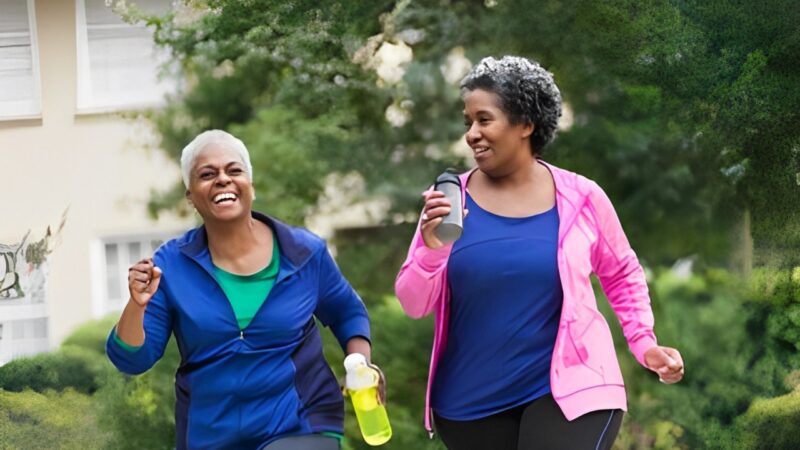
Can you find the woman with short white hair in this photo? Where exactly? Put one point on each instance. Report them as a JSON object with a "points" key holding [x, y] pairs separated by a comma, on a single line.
{"points": [[240, 294]]}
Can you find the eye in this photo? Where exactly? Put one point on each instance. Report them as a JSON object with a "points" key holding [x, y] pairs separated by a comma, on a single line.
{"points": [[236, 171], [467, 124], [207, 175]]}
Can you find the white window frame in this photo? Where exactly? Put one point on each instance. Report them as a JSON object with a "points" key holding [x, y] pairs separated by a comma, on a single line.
{"points": [[103, 304], [12, 317], [85, 102], [36, 102]]}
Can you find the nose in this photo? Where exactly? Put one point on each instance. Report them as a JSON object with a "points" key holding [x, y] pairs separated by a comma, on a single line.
{"points": [[473, 135], [223, 178]]}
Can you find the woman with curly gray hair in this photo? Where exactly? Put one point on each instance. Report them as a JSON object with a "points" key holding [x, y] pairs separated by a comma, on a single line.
{"points": [[522, 359]]}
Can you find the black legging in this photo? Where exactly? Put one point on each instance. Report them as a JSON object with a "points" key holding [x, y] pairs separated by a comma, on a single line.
{"points": [[306, 442], [539, 424]]}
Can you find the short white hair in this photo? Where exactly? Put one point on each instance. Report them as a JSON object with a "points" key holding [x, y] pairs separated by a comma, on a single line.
{"points": [[203, 140]]}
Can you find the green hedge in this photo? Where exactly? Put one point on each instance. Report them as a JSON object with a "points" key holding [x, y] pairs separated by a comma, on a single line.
{"points": [[69, 367], [772, 423], [53, 420]]}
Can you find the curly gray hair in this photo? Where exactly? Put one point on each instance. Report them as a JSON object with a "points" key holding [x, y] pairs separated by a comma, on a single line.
{"points": [[527, 92]]}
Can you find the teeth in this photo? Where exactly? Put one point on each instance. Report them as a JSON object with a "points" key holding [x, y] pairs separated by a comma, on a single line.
{"points": [[481, 150], [224, 196]]}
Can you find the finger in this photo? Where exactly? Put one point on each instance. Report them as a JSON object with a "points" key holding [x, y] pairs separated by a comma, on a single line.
{"points": [[139, 286], [155, 281], [432, 194], [435, 203], [656, 358], [670, 379], [668, 365], [138, 276], [381, 384], [671, 376], [431, 224], [436, 212], [675, 355], [139, 267]]}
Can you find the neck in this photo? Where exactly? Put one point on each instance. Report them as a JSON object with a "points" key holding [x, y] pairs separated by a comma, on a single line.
{"points": [[522, 172], [227, 240]]}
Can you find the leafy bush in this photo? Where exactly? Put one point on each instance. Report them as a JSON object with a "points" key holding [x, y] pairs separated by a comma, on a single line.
{"points": [[771, 423], [70, 367], [139, 411], [732, 334], [57, 420], [92, 335]]}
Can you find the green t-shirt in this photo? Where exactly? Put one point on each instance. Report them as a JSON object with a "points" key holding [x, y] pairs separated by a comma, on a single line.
{"points": [[248, 292]]}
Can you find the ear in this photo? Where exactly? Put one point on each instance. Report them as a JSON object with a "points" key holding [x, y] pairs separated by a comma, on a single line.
{"points": [[527, 130], [189, 198]]}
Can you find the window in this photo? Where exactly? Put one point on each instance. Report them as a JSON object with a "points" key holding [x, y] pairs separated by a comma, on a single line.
{"points": [[23, 338], [19, 61], [118, 63], [116, 256], [29, 329]]}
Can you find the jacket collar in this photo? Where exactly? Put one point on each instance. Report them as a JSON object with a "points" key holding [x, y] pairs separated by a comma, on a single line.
{"points": [[570, 194], [295, 251]]}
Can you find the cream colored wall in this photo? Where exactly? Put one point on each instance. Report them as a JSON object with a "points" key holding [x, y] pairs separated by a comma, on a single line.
{"points": [[101, 167]]}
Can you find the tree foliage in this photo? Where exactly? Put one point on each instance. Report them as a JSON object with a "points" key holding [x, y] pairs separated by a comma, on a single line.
{"points": [[684, 110], [283, 77]]}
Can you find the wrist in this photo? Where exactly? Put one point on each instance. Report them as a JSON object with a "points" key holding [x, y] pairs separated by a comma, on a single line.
{"points": [[135, 307]]}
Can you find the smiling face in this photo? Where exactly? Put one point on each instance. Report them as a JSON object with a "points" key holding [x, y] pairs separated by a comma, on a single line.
{"points": [[498, 146], [219, 187]]}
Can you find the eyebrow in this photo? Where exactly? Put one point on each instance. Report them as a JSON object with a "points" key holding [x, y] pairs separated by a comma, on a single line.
{"points": [[211, 166], [480, 111]]}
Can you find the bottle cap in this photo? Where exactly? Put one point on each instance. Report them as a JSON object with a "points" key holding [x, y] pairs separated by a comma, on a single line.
{"points": [[448, 177], [353, 361]]}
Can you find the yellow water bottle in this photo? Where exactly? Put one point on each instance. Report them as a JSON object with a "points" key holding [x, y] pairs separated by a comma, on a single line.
{"points": [[361, 382]]}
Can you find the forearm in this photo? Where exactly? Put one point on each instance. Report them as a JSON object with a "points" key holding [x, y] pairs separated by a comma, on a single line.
{"points": [[130, 328], [420, 283]]}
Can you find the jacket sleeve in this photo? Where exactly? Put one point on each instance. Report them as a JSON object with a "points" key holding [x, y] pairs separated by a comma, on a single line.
{"points": [[339, 306], [422, 279], [621, 276], [157, 330]]}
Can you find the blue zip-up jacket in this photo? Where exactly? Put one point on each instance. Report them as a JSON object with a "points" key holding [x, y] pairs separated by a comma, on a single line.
{"points": [[243, 390]]}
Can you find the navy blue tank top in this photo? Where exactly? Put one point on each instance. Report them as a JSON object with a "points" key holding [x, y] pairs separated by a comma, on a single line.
{"points": [[505, 306]]}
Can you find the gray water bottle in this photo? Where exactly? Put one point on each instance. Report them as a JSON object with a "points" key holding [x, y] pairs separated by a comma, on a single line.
{"points": [[451, 227]]}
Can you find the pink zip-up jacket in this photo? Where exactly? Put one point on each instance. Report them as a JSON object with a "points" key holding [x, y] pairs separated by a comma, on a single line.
{"points": [[584, 372]]}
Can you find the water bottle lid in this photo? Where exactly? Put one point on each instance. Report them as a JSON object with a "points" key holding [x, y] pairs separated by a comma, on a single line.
{"points": [[353, 361], [448, 177]]}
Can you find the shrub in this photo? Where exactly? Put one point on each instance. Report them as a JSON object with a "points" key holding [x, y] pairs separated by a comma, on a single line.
{"points": [[57, 420]]}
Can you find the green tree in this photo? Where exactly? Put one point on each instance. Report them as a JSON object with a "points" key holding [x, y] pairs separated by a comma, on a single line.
{"points": [[282, 76], [684, 110]]}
